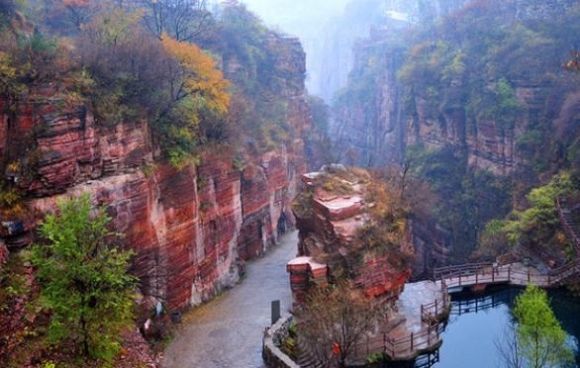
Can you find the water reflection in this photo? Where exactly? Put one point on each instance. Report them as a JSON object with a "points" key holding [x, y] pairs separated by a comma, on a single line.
{"points": [[478, 323]]}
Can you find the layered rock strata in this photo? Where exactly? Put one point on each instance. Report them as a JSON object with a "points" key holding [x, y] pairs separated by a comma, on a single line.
{"points": [[191, 229], [330, 213]]}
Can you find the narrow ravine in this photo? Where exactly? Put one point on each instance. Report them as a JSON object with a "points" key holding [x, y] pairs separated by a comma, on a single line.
{"points": [[227, 332]]}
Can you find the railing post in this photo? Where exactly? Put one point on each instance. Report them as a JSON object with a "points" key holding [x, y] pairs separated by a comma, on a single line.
{"points": [[436, 308], [422, 312], [412, 342], [429, 336], [384, 343], [493, 275], [509, 273], [459, 279], [476, 276], [529, 275]]}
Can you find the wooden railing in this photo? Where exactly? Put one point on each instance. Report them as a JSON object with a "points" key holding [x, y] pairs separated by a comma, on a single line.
{"points": [[403, 348], [410, 346], [478, 273], [432, 312], [449, 271]]}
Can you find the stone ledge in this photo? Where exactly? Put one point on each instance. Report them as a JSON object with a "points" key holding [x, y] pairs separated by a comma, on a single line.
{"points": [[273, 337]]}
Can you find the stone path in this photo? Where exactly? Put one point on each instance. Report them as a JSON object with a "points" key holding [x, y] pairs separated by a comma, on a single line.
{"points": [[410, 301], [227, 332]]}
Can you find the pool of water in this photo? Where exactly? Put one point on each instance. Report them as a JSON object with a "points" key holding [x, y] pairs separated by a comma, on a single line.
{"points": [[478, 324]]}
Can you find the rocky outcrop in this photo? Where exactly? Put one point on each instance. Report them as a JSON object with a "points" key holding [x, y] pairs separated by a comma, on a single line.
{"points": [[333, 209], [191, 229]]}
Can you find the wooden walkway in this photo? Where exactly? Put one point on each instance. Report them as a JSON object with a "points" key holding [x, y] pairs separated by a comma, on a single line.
{"points": [[412, 345], [473, 275], [517, 274], [407, 348], [434, 315]]}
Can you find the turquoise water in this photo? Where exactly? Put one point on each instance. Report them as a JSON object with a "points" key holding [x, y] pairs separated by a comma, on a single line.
{"points": [[475, 329]]}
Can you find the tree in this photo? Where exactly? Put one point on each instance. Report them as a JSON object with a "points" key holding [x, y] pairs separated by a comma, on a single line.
{"points": [[198, 93], [539, 224], [508, 348], [84, 280], [201, 77], [184, 20], [335, 319], [541, 340]]}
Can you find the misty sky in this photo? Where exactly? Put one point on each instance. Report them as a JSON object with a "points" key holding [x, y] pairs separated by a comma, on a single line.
{"points": [[290, 15]]}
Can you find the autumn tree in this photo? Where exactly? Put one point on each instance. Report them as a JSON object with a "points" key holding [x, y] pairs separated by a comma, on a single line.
{"points": [[334, 320], [198, 93], [84, 279], [175, 85]]}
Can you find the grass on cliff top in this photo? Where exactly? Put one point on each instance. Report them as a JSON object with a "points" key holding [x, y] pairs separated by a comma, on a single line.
{"points": [[342, 182], [338, 182]]}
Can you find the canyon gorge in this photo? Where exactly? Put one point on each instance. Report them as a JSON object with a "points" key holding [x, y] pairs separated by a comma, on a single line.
{"points": [[357, 145]]}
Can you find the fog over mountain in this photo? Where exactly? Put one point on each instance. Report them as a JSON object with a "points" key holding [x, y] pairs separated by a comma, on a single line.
{"points": [[314, 22]]}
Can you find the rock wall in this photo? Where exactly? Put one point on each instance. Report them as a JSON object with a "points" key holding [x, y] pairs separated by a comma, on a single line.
{"points": [[376, 129], [403, 93], [191, 229], [330, 212]]}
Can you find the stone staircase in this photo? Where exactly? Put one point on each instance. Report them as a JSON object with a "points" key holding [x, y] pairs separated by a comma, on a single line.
{"points": [[306, 358]]}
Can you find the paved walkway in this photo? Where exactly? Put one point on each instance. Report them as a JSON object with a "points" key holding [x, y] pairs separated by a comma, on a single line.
{"points": [[227, 332]]}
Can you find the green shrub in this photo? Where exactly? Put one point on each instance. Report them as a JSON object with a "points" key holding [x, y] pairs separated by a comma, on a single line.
{"points": [[84, 280]]}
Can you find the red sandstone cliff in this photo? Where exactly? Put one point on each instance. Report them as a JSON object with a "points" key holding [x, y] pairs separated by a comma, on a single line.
{"points": [[192, 229], [342, 223]]}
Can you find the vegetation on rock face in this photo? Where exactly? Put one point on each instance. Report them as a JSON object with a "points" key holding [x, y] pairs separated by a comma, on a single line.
{"points": [[537, 226], [479, 74], [84, 280], [466, 199], [143, 60], [387, 231], [384, 230], [15, 290], [202, 95], [251, 50], [317, 142]]}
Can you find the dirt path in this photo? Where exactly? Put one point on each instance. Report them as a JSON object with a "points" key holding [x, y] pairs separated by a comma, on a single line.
{"points": [[227, 332]]}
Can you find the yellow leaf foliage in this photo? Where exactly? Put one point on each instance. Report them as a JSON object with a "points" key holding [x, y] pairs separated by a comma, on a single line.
{"points": [[203, 79]]}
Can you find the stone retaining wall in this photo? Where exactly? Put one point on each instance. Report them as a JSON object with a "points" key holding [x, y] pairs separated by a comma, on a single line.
{"points": [[273, 338]]}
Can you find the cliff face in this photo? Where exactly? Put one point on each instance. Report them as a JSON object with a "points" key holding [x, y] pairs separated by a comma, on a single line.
{"points": [[341, 236], [379, 117], [191, 229], [481, 121]]}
